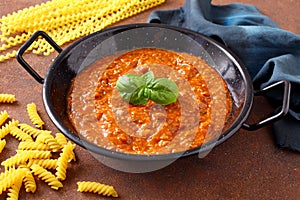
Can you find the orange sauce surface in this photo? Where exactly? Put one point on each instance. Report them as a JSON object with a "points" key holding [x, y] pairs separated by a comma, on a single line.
{"points": [[198, 115]]}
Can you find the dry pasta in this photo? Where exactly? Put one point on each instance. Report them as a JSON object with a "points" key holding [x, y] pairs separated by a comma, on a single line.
{"points": [[3, 176], [2, 144], [7, 127], [29, 182], [50, 141], [62, 162], [7, 172], [10, 178], [7, 98], [3, 117], [23, 156], [35, 154], [34, 116], [32, 131], [19, 134], [31, 145], [33, 158], [13, 192], [15, 160], [95, 187], [45, 163], [64, 21], [46, 176], [61, 139], [37, 160]]}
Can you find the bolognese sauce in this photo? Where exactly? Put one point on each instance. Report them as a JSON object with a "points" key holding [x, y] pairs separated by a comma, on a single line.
{"points": [[199, 115]]}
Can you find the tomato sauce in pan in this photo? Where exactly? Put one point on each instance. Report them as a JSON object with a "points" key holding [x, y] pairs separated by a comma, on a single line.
{"points": [[101, 116]]}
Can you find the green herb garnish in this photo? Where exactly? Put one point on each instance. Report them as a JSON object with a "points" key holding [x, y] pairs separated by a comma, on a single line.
{"points": [[137, 90]]}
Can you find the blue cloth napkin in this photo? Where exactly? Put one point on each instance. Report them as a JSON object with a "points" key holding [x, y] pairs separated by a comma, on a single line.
{"points": [[269, 53]]}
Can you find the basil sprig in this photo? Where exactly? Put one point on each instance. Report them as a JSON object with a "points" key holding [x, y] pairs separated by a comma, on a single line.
{"points": [[137, 90]]}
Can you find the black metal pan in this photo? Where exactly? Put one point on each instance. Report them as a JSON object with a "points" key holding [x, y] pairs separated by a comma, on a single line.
{"points": [[79, 55]]}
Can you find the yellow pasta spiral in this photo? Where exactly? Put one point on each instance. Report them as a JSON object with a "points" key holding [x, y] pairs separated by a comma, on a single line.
{"points": [[23, 156], [13, 192], [29, 182], [46, 176], [34, 116], [19, 134], [62, 162], [7, 172], [15, 160], [61, 139], [31, 145], [2, 144], [50, 141], [35, 154], [7, 127], [7, 98], [3, 117], [11, 178], [95, 187], [45, 163], [32, 131]]}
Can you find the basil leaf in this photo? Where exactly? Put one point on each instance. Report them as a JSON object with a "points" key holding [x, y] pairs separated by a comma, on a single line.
{"points": [[137, 90], [130, 87], [148, 77], [139, 96], [163, 91], [129, 83]]}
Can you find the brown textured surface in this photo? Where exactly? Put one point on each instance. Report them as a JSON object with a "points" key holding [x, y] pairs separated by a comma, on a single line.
{"points": [[246, 166]]}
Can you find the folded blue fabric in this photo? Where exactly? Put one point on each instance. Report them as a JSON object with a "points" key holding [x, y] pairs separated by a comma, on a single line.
{"points": [[269, 53]]}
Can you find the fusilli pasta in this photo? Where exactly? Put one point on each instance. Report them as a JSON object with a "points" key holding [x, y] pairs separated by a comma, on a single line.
{"points": [[62, 162], [50, 141], [31, 145], [35, 154], [2, 144], [13, 192], [7, 127], [3, 117], [10, 178], [32, 131], [23, 156], [19, 134], [46, 176], [45, 163], [34, 116], [7, 98], [61, 139], [33, 157], [7, 172], [29, 182], [95, 187], [15, 160]]}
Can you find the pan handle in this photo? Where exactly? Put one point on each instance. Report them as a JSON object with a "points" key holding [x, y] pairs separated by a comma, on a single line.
{"points": [[26, 45], [282, 109]]}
